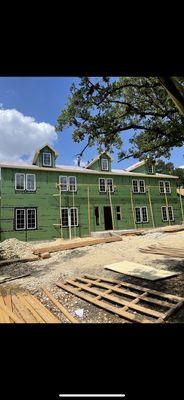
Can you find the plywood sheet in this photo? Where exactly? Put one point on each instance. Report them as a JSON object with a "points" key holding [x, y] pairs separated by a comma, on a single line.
{"points": [[140, 270]]}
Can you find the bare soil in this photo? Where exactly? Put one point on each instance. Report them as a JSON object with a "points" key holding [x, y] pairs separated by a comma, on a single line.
{"points": [[92, 260]]}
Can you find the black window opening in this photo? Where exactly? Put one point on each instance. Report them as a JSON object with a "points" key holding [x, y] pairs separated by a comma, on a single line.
{"points": [[97, 216], [25, 219], [118, 213]]}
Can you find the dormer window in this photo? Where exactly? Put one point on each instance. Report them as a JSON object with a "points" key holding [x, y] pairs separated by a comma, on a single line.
{"points": [[104, 164], [150, 169], [47, 159]]}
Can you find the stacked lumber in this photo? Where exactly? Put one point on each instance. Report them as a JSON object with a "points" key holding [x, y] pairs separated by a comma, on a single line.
{"points": [[164, 250], [127, 300], [23, 308], [75, 245], [18, 260]]}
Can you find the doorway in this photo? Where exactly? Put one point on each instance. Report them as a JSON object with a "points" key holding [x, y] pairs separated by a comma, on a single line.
{"points": [[107, 218]]}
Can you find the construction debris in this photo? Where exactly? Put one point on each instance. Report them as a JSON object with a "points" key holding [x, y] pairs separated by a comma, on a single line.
{"points": [[164, 250], [75, 245], [45, 255], [18, 260], [24, 308], [140, 270], [58, 305], [14, 248], [7, 278], [125, 297], [79, 312]]}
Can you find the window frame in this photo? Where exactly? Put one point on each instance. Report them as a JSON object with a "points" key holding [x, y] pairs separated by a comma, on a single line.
{"points": [[20, 209], [139, 187], [171, 207], [31, 190], [141, 215], [118, 213], [97, 207], [16, 174], [167, 214], [102, 191], [63, 176], [28, 209], [64, 208], [152, 170], [69, 190], [107, 163], [112, 184], [50, 155], [77, 216], [164, 187]]}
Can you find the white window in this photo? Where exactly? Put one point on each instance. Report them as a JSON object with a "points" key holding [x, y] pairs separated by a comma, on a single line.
{"points": [[20, 181], [104, 164], [64, 216], [30, 182], [141, 214], [69, 216], [31, 218], [72, 185], [109, 184], [102, 185], [135, 186], [20, 220], [63, 183], [74, 216], [47, 159], [141, 186], [150, 169], [165, 187], [167, 213]]}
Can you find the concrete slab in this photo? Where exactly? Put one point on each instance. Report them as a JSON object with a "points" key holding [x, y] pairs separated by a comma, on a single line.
{"points": [[140, 270]]}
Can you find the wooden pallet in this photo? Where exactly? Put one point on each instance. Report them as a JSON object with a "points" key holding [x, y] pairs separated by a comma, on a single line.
{"points": [[23, 308], [163, 250], [132, 302], [75, 245]]}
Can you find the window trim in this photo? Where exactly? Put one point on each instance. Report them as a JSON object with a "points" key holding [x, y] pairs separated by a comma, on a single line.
{"points": [[111, 184], [20, 209], [140, 208], [63, 176], [47, 165], [102, 191], [141, 180], [152, 170], [31, 190], [138, 186], [16, 174], [164, 187], [118, 213], [72, 176], [107, 161], [27, 209], [171, 220], [64, 226], [167, 214], [77, 215]]}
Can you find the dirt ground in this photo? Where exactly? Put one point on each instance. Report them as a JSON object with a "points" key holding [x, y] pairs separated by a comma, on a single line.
{"points": [[91, 260]]}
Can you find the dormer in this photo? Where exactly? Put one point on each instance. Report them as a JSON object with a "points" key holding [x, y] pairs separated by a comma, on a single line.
{"points": [[145, 167], [101, 162], [45, 157]]}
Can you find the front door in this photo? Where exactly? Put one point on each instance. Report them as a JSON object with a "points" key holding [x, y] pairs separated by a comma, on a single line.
{"points": [[107, 218]]}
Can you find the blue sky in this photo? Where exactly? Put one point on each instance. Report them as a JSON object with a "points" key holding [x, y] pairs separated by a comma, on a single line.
{"points": [[42, 98]]}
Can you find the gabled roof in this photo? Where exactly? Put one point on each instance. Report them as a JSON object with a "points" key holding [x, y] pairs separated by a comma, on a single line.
{"points": [[134, 166], [38, 151], [97, 158]]}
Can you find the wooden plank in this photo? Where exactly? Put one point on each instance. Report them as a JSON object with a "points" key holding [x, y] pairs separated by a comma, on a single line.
{"points": [[116, 300], [74, 245], [102, 304], [58, 305], [37, 316], [141, 288], [41, 309], [129, 293], [11, 314], [18, 260], [15, 278], [4, 318], [22, 309]]}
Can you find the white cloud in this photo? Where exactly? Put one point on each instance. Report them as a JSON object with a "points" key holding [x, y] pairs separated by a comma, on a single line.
{"points": [[181, 166], [21, 135], [82, 163]]}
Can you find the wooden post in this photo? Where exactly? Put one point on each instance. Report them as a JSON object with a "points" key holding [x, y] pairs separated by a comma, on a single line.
{"points": [[61, 231], [89, 219], [182, 213], [151, 209], [112, 214], [132, 203], [167, 210]]}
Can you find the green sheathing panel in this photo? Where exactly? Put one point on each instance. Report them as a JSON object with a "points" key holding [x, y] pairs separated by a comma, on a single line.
{"points": [[97, 164], [48, 210], [39, 161]]}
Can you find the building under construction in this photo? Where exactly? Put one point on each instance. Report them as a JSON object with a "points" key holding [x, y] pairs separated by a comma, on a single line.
{"points": [[44, 201]]}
